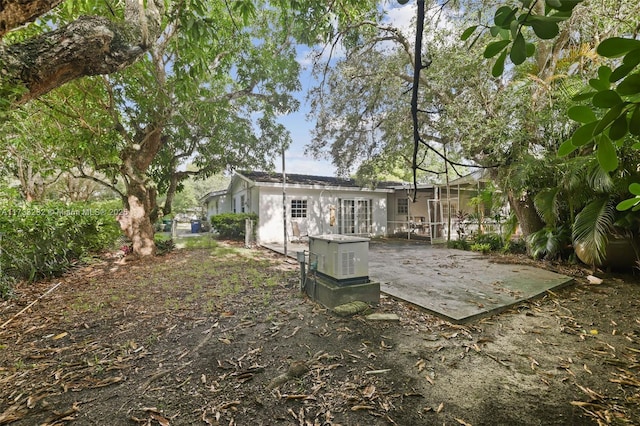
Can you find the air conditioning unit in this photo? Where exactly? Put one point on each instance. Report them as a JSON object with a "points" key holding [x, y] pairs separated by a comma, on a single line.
{"points": [[342, 258]]}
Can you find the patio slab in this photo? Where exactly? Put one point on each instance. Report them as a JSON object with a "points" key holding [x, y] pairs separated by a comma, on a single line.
{"points": [[456, 285]]}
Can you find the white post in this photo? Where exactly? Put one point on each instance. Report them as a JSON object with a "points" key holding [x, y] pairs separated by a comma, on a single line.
{"points": [[284, 203]]}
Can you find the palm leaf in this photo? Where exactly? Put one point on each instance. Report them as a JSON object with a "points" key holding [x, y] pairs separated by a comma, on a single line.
{"points": [[592, 228], [547, 205]]}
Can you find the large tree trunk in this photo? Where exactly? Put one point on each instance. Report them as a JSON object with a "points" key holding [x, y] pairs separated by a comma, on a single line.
{"points": [[528, 218], [136, 224], [141, 203], [91, 45]]}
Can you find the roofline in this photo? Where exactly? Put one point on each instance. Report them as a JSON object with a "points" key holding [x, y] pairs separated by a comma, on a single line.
{"points": [[214, 194]]}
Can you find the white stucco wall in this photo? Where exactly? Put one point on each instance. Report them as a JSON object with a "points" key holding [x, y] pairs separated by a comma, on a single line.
{"points": [[319, 203]]}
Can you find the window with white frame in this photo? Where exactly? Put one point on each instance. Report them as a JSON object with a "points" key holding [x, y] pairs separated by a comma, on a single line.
{"points": [[299, 208], [242, 203]]}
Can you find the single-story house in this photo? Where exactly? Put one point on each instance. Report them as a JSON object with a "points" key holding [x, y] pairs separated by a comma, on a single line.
{"points": [[316, 205]]}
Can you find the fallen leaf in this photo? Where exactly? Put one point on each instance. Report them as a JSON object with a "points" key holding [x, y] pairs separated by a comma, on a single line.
{"points": [[362, 407], [440, 407], [369, 391], [160, 419], [60, 336], [462, 422]]}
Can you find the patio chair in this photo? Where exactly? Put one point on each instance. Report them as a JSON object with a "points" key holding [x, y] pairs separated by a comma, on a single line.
{"points": [[296, 235]]}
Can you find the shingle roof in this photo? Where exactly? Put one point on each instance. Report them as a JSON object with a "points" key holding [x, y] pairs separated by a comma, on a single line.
{"points": [[293, 178]]}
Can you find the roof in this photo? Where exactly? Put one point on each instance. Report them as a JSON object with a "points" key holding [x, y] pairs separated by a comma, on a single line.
{"points": [[213, 194], [308, 180]]}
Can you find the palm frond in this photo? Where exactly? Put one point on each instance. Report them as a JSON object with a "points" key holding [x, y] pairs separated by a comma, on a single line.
{"points": [[592, 228], [547, 205], [599, 180]]}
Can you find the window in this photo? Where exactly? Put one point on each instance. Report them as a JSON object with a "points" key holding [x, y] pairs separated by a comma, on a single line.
{"points": [[242, 203], [233, 205], [299, 208], [403, 206]]}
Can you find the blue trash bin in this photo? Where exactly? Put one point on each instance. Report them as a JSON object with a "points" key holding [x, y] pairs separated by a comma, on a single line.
{"points": [[195, 226]]}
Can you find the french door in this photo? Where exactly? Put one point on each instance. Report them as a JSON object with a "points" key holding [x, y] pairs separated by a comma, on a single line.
{"points": [[355, 216]]}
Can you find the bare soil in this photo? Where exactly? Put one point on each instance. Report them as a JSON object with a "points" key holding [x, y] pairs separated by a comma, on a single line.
{"points": [[222, 336]]}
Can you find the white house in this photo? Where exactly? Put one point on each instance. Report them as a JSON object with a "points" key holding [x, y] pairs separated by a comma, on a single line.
{"points": [[317, 205]]}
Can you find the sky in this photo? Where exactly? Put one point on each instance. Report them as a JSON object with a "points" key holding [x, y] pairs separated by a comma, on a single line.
{"points": [[297, 123]]}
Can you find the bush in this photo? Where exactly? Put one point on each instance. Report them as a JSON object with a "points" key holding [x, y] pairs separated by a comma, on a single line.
{"points": [[482, 248], [45, 239], [516, 247], [231, 225], [164, 244], [461, 244], [493, 241]]}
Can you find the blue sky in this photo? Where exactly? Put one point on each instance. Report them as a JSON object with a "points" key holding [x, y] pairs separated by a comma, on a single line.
{"points": [[295, 159]]}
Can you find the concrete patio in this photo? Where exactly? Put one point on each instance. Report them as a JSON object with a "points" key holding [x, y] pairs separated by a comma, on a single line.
{"points": [[456, 285]]}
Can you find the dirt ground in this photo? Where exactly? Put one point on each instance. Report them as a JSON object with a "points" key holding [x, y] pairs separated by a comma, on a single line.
{"points": [[223, 337]]}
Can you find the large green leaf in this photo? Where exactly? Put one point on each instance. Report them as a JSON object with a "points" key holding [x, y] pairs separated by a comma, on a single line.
{"points": [[606, 99], [628, 203], [495, 47], [630, 61], [467, 33], [519, 50], [617, 46], [545, 29], [599, 85], [504, 15], [584, 134], [607, 155], [618, 128], [498, 67], [634, 188], [630, 85], [566, 148], [581, 114]]}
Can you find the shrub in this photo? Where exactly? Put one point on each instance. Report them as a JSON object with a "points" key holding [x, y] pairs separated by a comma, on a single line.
{"points": [[518, 246], [482, 248], [45, 239], [231, 225], [164, 244], [493, 241], [461, 244]]}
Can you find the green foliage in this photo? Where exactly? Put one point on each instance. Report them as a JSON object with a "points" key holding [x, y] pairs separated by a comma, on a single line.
{"points": [[164, 246], [549, 242], [631, 203], [518, 246], [511, 24], [6, 286], [45, 239], [610, 115], [491, 240], [482, 248], [592, 228], [461, 244], [231, 225]]}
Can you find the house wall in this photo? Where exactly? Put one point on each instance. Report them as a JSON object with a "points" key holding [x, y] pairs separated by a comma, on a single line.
{"points": [[319, 203], [218, 204]]}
